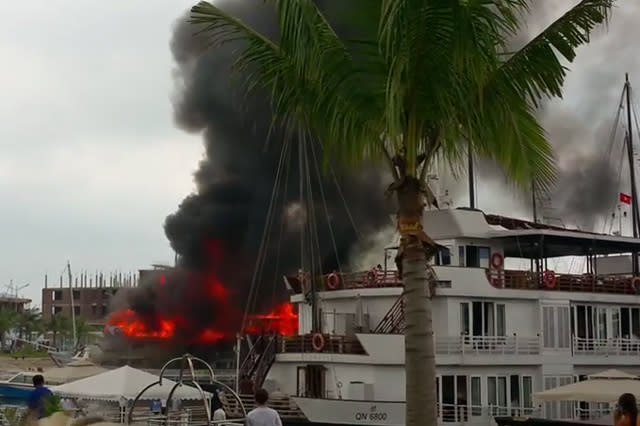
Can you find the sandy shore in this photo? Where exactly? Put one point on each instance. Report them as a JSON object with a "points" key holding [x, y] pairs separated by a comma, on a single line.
{"points": [[9, 366]]}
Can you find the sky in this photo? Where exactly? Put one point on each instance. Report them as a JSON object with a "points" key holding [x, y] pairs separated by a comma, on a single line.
{"points": [[91, 161]]}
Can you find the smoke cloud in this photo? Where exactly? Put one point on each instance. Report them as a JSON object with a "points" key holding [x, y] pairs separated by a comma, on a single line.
{"points": [[590, 170], [236, 176]]}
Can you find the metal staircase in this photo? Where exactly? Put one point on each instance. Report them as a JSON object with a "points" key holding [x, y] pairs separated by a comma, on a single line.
{"points": [[393, 322], [258, 361]]}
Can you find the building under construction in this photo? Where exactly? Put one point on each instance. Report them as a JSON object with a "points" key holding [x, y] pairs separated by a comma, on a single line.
{"points": [[89, 295]]}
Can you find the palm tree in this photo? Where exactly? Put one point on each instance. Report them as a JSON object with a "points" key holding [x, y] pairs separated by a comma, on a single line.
{"points": [[28, 320], [56, 325], [422, 79], [82, 332], [8, 321]]}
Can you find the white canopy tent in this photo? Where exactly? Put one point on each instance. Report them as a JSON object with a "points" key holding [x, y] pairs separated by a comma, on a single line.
{"points": [[124, 382], [606, 386]]}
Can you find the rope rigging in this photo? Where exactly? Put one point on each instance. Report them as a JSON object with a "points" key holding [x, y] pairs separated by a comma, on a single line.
{"points": [[312, 202]]}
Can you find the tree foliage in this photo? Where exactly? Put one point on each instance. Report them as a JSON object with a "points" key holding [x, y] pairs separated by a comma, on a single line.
{"points": [[432, 79]]}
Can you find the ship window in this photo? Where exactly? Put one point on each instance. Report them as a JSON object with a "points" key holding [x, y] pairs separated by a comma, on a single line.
{"points": [[550, 408], [564, 332], [527, 393], [615, 323], [476, 396], [464, 319], [485, 319], [444, 257], [461, 399], [566, 407], [514, 394], [501, 327], [483, 255], [477, 257], [497, 395], [548, 327], [448, 398], [629, 323]]}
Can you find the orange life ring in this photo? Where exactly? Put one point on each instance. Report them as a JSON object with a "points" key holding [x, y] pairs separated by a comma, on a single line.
{"points": [[333, 281], [497, 261], [317, 342], [635, 284], [549, 279]]}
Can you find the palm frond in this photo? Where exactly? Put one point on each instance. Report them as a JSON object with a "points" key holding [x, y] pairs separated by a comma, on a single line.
{"points": [[309, 75], [507, 130], [536, 70]]}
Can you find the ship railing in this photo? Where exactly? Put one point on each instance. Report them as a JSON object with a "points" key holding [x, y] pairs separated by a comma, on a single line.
{"points": [[332, 344], [586, 283], [592, 413], [284, 405], [374, 278], [469, 413], [393, 321], [494, 345], [606, 347]]}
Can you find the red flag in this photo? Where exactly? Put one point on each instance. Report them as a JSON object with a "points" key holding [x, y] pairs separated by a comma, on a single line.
{"points": [[625, 198]]}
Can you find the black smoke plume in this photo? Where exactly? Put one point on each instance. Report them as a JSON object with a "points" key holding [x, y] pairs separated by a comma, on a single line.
{"points": [[591, 170], [235, 179]]}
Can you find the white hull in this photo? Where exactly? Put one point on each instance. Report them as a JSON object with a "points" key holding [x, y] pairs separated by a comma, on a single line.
{"points": [[349, 412]]}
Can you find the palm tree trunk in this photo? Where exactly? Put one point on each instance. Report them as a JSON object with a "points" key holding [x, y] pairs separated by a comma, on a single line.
{"points": [[415, 250]]}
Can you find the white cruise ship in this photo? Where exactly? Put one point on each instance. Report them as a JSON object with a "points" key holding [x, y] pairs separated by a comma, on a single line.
{"points": [[507, 324]]}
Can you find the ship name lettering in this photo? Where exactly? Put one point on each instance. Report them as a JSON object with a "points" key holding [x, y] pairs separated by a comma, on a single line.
{"points": [[373, 416]]}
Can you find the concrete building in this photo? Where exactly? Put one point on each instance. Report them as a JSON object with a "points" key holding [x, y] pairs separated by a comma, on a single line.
{"points": [[89, 296], [13, 303]]}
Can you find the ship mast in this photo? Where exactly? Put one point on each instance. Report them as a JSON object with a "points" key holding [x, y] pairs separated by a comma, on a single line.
{"points": [[632, 174], [472, 192], [307, 226]]}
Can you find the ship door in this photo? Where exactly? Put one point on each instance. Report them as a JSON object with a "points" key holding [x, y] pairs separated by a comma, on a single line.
{"points": [[311, 381]]}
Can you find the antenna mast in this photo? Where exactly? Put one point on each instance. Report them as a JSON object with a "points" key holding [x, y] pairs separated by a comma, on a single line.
{"points": [[632, 173]]}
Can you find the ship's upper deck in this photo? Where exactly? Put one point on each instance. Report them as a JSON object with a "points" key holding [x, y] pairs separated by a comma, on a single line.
{"points": [[473, 239], [523, 239]]}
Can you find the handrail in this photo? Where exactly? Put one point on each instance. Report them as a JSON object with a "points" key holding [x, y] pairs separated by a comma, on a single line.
{"points": [[493, 345], [332, 344], [586, 283], [265, 362], [393, 321], [610, 346]]}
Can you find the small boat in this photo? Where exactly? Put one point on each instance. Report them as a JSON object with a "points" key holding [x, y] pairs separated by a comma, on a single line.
{"points": [[16, 390]]}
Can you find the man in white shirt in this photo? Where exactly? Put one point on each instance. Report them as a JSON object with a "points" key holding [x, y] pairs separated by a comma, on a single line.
{"points": [[263, 415]]}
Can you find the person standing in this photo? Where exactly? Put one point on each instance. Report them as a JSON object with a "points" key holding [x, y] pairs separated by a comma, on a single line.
{"points": [[263, 415], [38, 396], [626, 413]]}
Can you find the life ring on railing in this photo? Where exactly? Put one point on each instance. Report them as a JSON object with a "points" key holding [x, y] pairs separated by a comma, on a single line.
{"points": [[549, 279], [497, 261], [371, 277], [635, 284], [333, 281], [317, 342]]}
